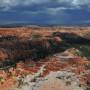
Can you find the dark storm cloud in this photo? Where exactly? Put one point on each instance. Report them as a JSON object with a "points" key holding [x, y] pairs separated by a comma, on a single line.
{"points": [[45, 11]]}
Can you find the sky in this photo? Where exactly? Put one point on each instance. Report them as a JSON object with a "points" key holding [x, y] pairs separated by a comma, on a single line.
{"points": [[45, 11]]}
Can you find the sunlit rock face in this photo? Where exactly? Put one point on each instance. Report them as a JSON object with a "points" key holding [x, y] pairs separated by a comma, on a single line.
{"points": [[3, 54]]}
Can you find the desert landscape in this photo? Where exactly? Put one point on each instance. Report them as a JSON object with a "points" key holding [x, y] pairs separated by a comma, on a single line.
{"points": [[45, 58]]}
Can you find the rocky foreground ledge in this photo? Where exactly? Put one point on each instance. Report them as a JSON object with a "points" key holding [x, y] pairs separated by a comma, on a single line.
{"points": [[61, 80], [62, 71], [55, 73]]}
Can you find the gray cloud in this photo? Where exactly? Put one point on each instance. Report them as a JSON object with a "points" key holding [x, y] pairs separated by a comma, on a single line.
{"points": [[45, 11], [7, 4]]}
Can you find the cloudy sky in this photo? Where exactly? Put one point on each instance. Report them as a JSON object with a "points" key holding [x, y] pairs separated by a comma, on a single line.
{"points": [[45, 11]]}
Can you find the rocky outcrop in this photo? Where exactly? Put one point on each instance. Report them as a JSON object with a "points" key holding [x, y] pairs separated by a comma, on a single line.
{"points": [[21, 49], [16, 49], [72, 37]]}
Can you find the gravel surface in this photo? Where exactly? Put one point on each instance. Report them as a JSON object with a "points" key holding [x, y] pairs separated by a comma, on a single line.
{"points": [[61, 80]]}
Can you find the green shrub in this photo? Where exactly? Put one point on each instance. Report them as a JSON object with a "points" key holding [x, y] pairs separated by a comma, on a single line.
{"points": [[36, 36], [1, 80]]}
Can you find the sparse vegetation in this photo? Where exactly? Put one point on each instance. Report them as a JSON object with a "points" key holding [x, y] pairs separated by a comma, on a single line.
{"points": [[36, 36], [40, 46], [2, 80]]}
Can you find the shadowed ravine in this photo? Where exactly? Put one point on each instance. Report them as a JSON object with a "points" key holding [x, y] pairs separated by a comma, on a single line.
{"points": [[14, 49]]}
